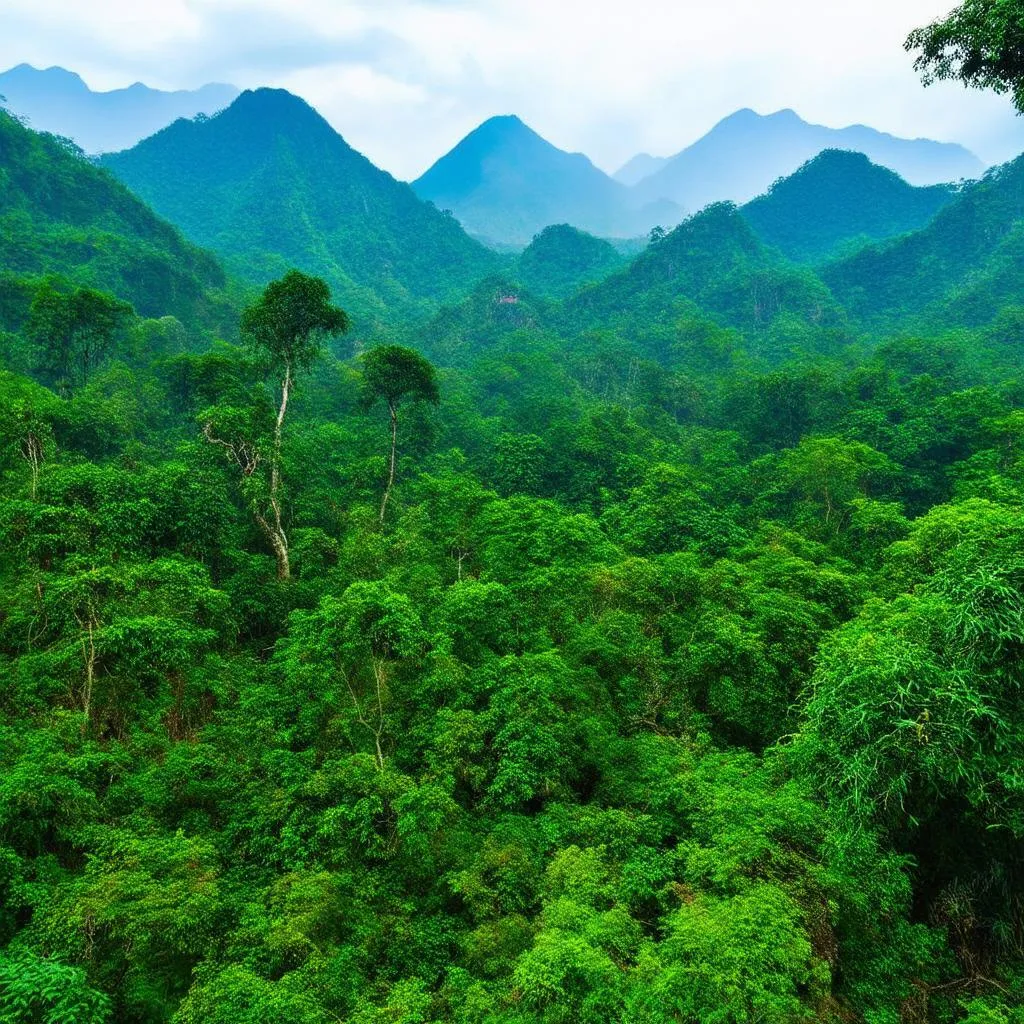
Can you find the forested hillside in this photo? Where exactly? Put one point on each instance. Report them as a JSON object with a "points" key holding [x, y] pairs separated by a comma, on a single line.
{"points": [[960, 269], [841, 200], [413, 635], [268, 183], [61, 216]]}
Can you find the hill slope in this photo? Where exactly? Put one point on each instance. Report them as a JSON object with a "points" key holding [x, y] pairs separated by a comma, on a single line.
{"points": [[561, 259], [505, 183], [269, 184], [59, 214], [716, 262], [743, 154], [960, 268], [56, 100], [837, 197]]}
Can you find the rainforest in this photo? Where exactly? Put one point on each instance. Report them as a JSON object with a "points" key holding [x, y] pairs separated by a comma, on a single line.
{"points": [[597, 621]]}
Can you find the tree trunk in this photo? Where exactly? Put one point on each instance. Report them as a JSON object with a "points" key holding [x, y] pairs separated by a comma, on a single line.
{"points": [[391, 471], [275, 531]]}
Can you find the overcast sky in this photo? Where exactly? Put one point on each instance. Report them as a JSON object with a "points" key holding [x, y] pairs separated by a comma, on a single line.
{"points": [[403, 80]]}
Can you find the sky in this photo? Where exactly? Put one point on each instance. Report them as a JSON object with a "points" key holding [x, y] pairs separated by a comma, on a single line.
{"points": [[404, 80]]}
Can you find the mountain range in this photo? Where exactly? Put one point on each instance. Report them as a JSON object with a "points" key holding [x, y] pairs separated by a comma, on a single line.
{"points": [[58, 101], [505, 183], [269, 184], [744, 153]]}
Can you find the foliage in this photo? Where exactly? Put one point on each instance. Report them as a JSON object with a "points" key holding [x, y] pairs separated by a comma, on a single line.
{"points": [[980, 43], [681, 683]]}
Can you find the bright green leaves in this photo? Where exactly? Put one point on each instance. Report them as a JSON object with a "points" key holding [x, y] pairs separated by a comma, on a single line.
{"points": [[732, 961], [917, 701], [289, 322], [33, 988]]}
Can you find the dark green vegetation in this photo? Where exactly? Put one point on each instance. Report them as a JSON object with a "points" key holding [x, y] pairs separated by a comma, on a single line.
{"points": [[60, 216], [268, 184], [979, 43], [561, 259], [650, 656], [841, 199]]}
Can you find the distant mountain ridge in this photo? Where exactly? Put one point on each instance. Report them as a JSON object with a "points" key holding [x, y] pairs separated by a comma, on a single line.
{"points": [[505, 183], [58, 101], [269, 184], [746, 152], [841, 198]]}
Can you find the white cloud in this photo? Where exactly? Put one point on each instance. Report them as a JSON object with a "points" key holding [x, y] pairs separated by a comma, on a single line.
{"points": [[404, 79]]}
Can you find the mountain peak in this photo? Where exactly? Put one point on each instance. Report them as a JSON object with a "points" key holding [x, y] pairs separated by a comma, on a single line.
{"points": [[506, 183], [837, 197]]}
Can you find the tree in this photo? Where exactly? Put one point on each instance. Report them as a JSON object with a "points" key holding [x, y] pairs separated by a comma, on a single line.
{"points": [[76, 330], [980, 43], [394, 373], [285, 328]]}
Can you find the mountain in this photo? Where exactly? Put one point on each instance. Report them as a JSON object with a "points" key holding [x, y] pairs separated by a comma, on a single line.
{"points": [[562, 258], [59, 214], [715, 262], [837, 198], [643, 165], [961, 268], [58, 101], [505, 183], [268, 184], [743, 154]]}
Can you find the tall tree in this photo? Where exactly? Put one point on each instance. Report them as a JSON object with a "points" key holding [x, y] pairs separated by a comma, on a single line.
{"points": [[285, 328], [980, 43], [396, 374]]}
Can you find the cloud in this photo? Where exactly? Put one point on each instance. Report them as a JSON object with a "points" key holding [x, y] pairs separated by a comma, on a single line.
{"points": [[405, 79]]}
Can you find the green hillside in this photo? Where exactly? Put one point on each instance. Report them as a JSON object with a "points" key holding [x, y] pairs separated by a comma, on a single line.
{"points": [[608, 641], [60, 215], [716, 262], [561, 259], [958, 269], [839, 199], [268, 184]]}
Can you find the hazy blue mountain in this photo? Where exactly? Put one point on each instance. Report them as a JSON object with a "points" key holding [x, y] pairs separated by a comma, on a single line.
{"points": [[269, 184], [562, 258], [743, 154], [643, 165], [964, 266], [59, 101], [838, 199], [505, 183]]}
